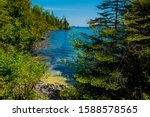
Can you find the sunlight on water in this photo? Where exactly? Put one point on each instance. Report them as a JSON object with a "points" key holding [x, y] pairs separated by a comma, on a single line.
{"points": [[57, 51]]}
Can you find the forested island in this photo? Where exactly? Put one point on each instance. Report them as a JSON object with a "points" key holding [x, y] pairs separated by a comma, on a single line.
{"points": [[113, 63]]}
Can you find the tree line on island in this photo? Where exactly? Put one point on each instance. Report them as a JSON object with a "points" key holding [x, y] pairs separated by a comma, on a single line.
{"points": [[115, 63], [20, 27]]}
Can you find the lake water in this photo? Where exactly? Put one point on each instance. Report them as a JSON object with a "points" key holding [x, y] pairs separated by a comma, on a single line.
{"points": [[57, 49]]}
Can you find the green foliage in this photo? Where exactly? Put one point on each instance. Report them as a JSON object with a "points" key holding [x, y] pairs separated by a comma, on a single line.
{"points": [[65, 24], [114, 64], [19, 74], [98, 59], [38, 10], [3, 13], [13, 34], [70, 93], [20, 27], [137, 56]]}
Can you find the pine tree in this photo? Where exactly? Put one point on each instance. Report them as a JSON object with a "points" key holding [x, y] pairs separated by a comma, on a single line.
{"points": [[98, 60], [137, 58], [37, 10], [4, 22], [20, 27], [65, 23], [18, 8], [4, 17]]}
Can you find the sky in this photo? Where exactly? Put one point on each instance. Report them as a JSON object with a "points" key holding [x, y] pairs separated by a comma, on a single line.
{"points": [[77, 12]]}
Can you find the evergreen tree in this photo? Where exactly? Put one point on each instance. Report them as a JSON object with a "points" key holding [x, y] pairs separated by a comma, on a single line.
{"points": [[27, 24], [20, 27], [98, 71], [115, 65], [4, 17], [18, 8], [65, 23], [137, 58], [4, 23], [38, 10]]}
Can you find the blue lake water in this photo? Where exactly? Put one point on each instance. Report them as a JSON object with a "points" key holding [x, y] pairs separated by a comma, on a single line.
{"points": [[57, 49]]}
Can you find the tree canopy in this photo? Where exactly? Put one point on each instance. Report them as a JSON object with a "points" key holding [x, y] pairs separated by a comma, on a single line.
{"points": [[20, 27], [114, 64]]}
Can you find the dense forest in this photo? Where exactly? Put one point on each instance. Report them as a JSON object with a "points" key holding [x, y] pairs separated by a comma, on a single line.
{"points": [[115, 63], [21, 25]]}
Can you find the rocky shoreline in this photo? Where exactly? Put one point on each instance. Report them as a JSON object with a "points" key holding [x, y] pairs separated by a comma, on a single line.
{"points": [[50, 90]]}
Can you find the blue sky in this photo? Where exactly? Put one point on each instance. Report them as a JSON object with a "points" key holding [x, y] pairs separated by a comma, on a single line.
{"points": [[78, 12]]}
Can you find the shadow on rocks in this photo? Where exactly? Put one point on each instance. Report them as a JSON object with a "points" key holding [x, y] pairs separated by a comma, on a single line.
{"points": [[51, 90]]}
